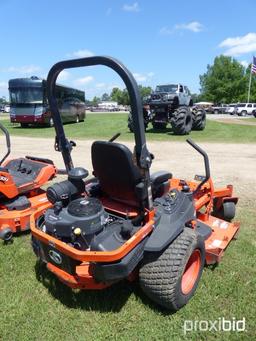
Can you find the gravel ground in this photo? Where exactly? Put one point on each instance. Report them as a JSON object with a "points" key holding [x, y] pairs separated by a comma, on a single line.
{"points": [[230, 163]]}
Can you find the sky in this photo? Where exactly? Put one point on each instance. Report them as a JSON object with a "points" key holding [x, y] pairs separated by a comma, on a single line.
{"points": [[158, 41]]}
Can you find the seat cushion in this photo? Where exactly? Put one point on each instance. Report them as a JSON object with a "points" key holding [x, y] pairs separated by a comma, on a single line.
{"points": [[118, 175]]}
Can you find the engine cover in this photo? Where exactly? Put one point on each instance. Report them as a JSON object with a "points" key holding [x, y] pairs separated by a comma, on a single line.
{"points": [[78, 222]]}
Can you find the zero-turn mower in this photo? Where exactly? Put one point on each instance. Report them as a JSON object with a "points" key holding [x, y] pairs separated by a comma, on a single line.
{"points": [[125, 223], [20, 189]]}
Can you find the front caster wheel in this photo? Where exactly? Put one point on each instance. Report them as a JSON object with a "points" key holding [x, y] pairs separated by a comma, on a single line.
{"points": [[6, 234]]}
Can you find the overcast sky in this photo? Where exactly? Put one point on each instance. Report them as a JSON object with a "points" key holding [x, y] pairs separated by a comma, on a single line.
{"points": [[159, 41]]}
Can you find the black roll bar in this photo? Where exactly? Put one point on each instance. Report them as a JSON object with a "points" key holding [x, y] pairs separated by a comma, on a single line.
{"points": [[143, 156]]}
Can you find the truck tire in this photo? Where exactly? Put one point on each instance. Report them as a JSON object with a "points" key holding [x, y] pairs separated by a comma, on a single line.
{"points": [[24, 125], [130, 124], [199, 120], [159, 125], [182, 121], [171, 277]]}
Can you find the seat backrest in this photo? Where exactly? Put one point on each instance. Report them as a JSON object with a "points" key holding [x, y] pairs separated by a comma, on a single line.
{"points": [[118, 175]]}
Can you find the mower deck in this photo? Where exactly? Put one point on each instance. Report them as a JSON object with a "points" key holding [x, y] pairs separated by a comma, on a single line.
{"points": [[18, 221], [222, 234]]}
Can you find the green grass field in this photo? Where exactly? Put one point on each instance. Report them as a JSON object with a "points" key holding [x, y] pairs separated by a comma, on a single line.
{"points": [[35, 306], [104, 126]]}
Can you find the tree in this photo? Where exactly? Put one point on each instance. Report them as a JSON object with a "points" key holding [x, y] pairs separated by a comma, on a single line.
{"points": [[95, 100], [117, 95], [224, 81], [105, 97], [3, 100], [145, 91], [122, 96]]}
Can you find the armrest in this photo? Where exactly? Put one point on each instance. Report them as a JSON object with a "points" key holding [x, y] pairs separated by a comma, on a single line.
{"points": [[158, 178]]}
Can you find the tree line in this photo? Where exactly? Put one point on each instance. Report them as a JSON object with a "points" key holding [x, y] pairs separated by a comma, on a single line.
{"points": [[225, 81], [120, 96]]}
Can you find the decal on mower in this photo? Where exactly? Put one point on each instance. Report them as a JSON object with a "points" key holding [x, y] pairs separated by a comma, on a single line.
{"points": [[215, 243], [55, 256], [221, 224], [3, 178]]}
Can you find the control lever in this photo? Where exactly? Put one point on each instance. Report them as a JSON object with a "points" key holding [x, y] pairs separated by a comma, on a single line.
{"points": [[113, 138], [206, 163]]}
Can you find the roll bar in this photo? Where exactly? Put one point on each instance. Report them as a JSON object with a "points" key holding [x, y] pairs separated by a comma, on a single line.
{"points": [[8, 142], [143, 157], [142, 154]]}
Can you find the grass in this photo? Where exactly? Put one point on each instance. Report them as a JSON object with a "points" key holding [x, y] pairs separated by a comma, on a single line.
{"points": [[104, 126], [35, 306]]}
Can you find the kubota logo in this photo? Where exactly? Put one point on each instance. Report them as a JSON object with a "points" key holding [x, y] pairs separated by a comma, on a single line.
{"points": [[55, 256], [3, 178]]}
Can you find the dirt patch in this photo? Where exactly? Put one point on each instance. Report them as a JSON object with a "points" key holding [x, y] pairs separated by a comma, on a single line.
{"points": [[230, 163], [235, 120]]}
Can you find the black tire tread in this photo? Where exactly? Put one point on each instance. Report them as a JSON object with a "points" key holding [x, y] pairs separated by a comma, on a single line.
{"points": [[199, 120], [161, 272], [178, 121]]}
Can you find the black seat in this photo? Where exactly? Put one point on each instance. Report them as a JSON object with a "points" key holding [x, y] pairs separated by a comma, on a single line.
{"points": [[118, 175]]}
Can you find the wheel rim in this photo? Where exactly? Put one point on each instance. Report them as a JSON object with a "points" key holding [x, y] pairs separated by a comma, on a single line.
{"points": [[77, 119], [191, 272]]}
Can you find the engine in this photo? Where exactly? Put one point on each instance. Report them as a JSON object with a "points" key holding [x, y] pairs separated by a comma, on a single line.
{"points": [[78, 223], [80, 220]]}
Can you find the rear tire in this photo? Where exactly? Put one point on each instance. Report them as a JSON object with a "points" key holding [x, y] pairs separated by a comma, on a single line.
{"points": [[243, 113], [199, 120], [24, 125], [182, 121], [171, 277], [130, 124]]}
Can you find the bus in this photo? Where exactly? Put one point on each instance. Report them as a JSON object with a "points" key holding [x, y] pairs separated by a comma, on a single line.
{"points": [[29, 105]]}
